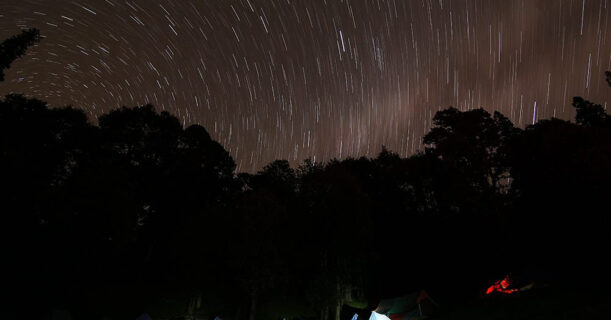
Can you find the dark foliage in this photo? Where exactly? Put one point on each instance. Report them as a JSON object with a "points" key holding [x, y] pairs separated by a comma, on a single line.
{"points": [[15, 47]]}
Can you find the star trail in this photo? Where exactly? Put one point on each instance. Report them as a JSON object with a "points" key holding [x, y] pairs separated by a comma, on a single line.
{"points": [[320, 79]]}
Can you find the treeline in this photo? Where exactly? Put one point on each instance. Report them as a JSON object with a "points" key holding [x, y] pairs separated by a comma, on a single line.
{"points": [[138, 213]]}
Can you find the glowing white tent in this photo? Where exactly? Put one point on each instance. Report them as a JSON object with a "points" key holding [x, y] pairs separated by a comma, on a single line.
{"points": [[378, 316], [374, 316]]}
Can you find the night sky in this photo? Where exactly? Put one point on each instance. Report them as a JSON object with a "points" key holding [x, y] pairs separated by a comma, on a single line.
{"points": [[314, 79]]}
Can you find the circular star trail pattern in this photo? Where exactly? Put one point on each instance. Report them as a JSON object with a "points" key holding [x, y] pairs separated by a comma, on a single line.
{"points": [[316, 79]]}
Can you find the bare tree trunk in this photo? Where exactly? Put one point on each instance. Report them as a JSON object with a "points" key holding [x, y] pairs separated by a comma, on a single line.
{"points": [[325, 313], [253, 305], [338, 299], [191, 306]]}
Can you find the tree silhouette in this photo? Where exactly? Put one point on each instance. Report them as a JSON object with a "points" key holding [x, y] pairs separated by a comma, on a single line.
{"points": [[15, 47], [40, 151], [474, 141], [561, 172], [337, 211], [590, 114]]}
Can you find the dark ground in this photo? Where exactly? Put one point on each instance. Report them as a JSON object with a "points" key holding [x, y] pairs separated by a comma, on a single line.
{"points": [[552, 302]]}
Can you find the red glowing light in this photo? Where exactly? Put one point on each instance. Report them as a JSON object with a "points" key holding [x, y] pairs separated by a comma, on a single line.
{"points": [[505, 283], [501, 286]]}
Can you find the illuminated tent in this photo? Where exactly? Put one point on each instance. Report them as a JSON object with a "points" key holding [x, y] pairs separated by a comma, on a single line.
{"points": [[417, 305], [374, 316], [377, 316]]}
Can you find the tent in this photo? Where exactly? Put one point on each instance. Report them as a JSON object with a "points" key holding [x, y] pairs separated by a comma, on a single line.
{"points": [[417, 305], [377, 316], [374, 316]]}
